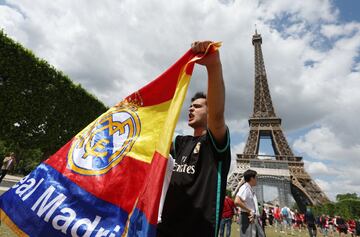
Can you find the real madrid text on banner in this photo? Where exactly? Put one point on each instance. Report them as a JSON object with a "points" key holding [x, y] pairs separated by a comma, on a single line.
{"points": [[107, 180]]}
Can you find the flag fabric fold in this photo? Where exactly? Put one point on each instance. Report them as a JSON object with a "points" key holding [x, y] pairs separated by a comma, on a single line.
{"points": [[107, 180]]}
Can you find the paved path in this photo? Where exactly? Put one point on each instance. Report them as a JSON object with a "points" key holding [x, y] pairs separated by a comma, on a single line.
{"points": [[8, 182]]}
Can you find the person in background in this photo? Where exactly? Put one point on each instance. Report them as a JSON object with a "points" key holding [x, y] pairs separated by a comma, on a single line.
{"points": [[331, 225], [351, 227], [263, 218], [277, 218], [357, 228], [298, 221], [317, 221], [292, 216], [286, 217], [322, 224], [227, 216], [302, 217], [8, 164], [271, 216], [326, 226], [310, 222], [247, 201], [341, 226]]}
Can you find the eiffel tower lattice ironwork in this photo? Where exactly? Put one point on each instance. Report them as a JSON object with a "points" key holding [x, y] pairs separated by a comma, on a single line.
{"points": [[283, 170]]}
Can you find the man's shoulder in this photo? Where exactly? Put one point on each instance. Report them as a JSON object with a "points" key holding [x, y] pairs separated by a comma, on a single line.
{"points": [[183, 139], [243, 188], [7, 158]]}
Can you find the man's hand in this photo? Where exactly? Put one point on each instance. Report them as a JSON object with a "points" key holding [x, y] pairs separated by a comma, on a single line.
{"points": [[252, 217], [211, 59]]}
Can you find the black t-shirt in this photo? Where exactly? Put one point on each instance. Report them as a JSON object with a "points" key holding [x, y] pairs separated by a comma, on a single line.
{"points": [[341, 223], [195, 198], [309, 218]]}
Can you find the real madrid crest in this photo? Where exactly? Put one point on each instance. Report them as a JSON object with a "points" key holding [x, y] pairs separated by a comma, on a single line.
{"points": [[105, 142], [197, 148]]}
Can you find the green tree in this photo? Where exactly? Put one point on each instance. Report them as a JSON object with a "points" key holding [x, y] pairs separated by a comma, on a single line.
{"points": [[346, 205], [345, 196]]}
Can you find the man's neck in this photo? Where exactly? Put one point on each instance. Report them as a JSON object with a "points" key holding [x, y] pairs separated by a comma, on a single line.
{"points": [[251, 186], [199, 132]]}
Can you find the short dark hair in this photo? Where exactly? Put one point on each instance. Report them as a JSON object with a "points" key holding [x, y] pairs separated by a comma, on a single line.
{"points": [[249, 174], [198, 95]]}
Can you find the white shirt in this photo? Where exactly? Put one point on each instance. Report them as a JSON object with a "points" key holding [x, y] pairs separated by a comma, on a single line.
{"points": [[292, 215], [287, 210], [167, 178], [247, 194]]}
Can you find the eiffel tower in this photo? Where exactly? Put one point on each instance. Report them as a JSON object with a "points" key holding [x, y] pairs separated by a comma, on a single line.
{"points": [[283, 170]]}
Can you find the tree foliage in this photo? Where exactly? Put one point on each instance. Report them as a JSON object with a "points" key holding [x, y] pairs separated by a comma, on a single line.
{"points": [[40, 107], [345, 196], [346, 205]]}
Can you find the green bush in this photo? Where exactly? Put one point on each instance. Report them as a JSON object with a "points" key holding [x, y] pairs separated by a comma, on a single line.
{"points": [[40, 107]]}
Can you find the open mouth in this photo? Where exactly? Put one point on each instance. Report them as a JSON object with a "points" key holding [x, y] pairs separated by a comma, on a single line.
{"points": [[191, 117]]}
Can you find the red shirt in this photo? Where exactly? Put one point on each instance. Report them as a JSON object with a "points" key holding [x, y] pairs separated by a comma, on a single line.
{"points": [[352, 225], [229, 207], [277, 213]]}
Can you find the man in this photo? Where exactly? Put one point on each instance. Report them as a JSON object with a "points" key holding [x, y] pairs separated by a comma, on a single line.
{"points": [[195, 197], [341, 226], [247, 201], [298, 221], [357, 228], [277, 216], [286, 217], [8, 164], [324, 226], [227, 215], [271, 216], [263, 217], [310, 222]]}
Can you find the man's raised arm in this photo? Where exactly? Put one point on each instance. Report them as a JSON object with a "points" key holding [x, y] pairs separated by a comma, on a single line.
{"points": [[216, 91]]}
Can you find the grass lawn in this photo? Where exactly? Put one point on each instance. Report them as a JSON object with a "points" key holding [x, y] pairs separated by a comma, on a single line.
{"points": [[270, 232], [5, 231]]}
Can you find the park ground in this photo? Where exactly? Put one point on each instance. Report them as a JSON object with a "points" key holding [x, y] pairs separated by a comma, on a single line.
{"points": [[270, 232]]}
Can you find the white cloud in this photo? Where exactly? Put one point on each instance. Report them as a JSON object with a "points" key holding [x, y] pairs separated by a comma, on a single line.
{"points": [[336, 30], [334, 187], [238, 148], [317, 168], [322, 144], [337, 171], [312, 11]]}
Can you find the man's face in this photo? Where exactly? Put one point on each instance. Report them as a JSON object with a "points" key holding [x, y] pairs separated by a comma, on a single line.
{"points": [[253, 181], [198, 113]]}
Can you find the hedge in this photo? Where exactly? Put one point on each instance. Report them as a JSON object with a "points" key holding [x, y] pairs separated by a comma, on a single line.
{"points": [[40, 107]]}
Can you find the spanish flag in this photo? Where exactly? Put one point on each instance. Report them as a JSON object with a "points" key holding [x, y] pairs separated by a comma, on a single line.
{"points": [[107, 180]]}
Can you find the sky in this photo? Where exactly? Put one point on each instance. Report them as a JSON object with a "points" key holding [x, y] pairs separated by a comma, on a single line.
{"points": [[311, 51]]}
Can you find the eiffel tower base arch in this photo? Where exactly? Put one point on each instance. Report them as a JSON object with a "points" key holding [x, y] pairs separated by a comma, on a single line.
{"points": [[272, 174], [282, 185]]}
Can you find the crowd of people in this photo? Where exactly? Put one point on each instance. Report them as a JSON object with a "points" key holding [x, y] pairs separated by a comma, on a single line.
{"points": [[287, 221]]}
